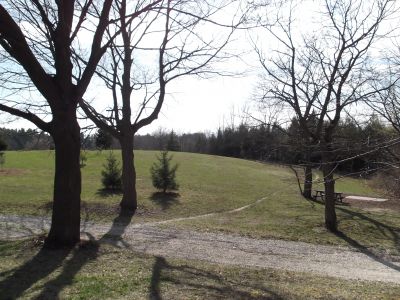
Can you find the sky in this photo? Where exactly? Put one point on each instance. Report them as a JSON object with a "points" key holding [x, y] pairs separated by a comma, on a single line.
{"points": [[194, 104]]}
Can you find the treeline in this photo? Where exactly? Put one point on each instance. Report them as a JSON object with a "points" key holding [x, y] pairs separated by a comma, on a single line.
{"points": [[356, 148], [26, 139]]}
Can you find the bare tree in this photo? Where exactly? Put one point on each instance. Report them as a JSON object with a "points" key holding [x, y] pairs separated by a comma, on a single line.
{"points": [[386, 102], [39, 42], [174, 36], [320, 73]]}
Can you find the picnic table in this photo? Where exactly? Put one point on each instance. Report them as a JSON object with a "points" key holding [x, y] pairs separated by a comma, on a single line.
{"points": [[321, 194]]}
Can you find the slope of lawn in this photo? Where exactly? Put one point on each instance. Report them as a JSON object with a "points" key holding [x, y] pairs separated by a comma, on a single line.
{"points": [[207, 184], [96, 270]]}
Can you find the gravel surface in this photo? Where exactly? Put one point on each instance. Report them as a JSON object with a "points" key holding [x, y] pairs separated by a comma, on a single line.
{"points": [[362, 198], [341, 262]]}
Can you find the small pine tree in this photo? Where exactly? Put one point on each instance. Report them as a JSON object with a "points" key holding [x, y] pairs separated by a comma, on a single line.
{"points": [[111, 174], [162, 174]]}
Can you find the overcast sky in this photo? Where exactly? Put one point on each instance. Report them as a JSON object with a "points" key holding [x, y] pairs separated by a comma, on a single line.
{"points": [[193, 104]]}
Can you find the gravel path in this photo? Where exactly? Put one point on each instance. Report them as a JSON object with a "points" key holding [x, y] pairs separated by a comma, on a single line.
{"points": [[341, 262], [363, 198]]}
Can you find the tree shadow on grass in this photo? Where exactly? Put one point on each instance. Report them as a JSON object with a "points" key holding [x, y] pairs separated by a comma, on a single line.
{"points": [[390, 232], [104, 193], [210, 285], [313, 201], [86, 252], [69, 261], [165, 200], [37, 268]]}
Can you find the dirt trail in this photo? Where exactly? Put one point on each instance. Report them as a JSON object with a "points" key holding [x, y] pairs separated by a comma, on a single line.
{"points": [[341, 262]]}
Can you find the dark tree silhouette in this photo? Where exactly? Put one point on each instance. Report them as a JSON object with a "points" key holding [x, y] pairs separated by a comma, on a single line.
{"points": [[40, 42]]}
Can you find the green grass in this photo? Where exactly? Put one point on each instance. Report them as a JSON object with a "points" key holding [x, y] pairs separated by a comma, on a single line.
{"points": [[349, 185], [101, 271], [209, 184]]}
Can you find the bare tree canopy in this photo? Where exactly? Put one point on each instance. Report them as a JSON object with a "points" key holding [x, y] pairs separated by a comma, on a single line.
{"points": [[39, 42], [175, 39], [317, 72]]}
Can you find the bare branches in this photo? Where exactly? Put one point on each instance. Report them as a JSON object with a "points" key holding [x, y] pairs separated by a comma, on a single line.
{"points": [[386, 102], [28, 116], [322, 74], [13, 41], [155, 46]]}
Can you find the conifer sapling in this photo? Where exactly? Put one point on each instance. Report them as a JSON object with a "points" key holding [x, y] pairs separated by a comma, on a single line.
{"points": [[162, 174], [111, 174]]}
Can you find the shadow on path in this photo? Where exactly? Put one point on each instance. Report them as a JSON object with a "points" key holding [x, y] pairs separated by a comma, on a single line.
{"points": [[104, 193], [209, 285], [390, 232], [47, 261]]}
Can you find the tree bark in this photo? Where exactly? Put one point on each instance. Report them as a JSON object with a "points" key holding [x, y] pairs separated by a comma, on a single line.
{"points": [[308, 177], [129, 198], [65, 225], [329, 183]]}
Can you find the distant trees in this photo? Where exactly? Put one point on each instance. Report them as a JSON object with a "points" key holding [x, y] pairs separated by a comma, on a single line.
{"points": [[103, 139], [173, 142], [3, 145], [386, 106], [26, 139]]}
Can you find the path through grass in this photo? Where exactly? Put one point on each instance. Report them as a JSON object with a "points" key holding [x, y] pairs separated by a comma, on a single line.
{"points": [[208, 184]]}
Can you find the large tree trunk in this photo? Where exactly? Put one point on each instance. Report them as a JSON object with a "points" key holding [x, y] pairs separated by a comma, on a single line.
{"points": [[308, 178], [329, 182], [65, 225], [129, 198]]}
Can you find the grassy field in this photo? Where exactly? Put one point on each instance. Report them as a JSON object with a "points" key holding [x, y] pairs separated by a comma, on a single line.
{"points": [[100, 271], [207, 184]]}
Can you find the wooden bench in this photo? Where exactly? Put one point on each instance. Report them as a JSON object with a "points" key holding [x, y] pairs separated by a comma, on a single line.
{"points": [[321, 195]]}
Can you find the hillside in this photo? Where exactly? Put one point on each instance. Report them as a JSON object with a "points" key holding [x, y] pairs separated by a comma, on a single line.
{"points": [[140, 261], [208, 184]]}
